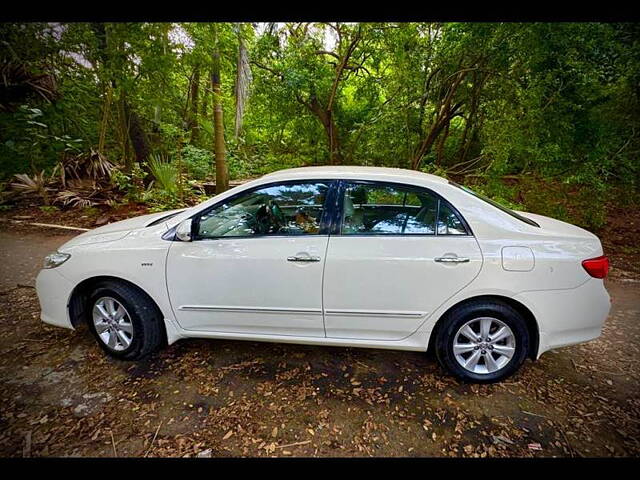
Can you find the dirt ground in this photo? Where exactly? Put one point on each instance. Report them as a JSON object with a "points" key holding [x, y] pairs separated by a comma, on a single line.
{"points": [[61, 396]]}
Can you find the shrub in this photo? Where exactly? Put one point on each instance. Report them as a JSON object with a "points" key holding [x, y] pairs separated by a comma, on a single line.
{"points": [[132, 184], [164, 172], [198, 162]]}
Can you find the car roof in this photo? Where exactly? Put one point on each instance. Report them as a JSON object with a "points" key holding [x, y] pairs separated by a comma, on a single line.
{"points": [[355, 172]]}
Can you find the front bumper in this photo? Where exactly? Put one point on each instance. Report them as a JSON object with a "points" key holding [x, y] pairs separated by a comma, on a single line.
{"points": [[54, 292], [568, 317]]}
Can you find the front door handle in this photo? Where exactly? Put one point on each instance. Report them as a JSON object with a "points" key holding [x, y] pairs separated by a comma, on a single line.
{"points": [[451, 259], [303, 259]]}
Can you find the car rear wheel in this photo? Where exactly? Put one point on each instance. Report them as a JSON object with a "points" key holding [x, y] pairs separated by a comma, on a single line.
{"points": [[125, 321], [482, 342]]}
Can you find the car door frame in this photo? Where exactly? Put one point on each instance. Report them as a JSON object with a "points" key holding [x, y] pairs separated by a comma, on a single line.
{"points": [[335, 228], [323, 232], [325, 219], [335, 231]]}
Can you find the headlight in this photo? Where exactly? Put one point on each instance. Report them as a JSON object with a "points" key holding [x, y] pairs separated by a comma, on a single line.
{"points": [[56, 259]]}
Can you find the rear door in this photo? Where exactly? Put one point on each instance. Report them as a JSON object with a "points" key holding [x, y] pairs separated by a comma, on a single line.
{"points": [[399, 253]]}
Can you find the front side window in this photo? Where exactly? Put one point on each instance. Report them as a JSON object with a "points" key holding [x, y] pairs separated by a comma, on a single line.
{"points": [[395, 210], [286, 209]]}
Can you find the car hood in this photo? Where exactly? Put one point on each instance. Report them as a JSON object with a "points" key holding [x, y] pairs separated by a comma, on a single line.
{"points": [[117, 230]]}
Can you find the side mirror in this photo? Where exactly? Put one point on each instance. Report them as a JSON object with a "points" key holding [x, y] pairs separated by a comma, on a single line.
{"points": [[183, 231]]}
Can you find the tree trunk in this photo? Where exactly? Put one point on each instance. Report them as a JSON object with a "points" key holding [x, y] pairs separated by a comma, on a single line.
{"points": [[445, 112], [335, 147], [470, 127], [222, 175], [194, 94], [106, 109], [103, 41], [205, 105], [428, 142], [329, 125], [243, 81], [441, 142], [123, 131], [137, 134]]}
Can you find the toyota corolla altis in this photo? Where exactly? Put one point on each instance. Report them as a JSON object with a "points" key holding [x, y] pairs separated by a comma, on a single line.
{"points": [[352, 256]]}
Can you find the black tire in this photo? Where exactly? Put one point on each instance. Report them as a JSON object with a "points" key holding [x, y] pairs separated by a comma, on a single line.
{"points": [[146, 318], [456, 318]]}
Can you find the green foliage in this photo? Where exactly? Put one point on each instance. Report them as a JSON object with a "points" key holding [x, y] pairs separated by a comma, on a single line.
{"points": [[164, 172], [499, 192], [90, 211], [132, 184], [160, 200], [198, 162], [554, 101], [33, 142], [49, 208]]}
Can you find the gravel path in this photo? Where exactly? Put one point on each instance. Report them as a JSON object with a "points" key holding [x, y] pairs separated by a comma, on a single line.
{"points": [[60, 396]]}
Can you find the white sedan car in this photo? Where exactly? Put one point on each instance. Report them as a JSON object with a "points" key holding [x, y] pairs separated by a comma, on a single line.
{"points": [[353, 256]]}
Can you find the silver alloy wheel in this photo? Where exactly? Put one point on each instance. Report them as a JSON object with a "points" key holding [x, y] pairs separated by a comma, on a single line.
{"points": [[112, 323], [484, 345]]}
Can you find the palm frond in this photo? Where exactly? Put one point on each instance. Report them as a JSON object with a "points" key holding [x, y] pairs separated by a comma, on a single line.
{"points": [[165, 173], [93, 165], [18, 81], [27, 184], [32, 185], [75, 199]]}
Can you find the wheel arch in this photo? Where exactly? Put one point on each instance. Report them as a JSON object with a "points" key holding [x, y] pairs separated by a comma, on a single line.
{"points": [[81, 292], [530, 320]]}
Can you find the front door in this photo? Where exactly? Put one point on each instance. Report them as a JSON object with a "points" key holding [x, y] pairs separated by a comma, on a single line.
{"points": [[400, 253], [255, 263]]}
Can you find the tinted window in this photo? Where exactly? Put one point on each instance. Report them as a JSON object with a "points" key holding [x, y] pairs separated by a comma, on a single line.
{"points": [[448, 222], [383, 209], [288, 209], [380, 209]]}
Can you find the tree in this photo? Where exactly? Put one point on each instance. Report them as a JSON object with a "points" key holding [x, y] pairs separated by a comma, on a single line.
{"points": [[243, 81], [316, 74], [222, 174]]}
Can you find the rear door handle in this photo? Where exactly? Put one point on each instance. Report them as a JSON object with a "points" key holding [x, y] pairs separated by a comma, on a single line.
{"points": [[451, 259], [303, 259]]}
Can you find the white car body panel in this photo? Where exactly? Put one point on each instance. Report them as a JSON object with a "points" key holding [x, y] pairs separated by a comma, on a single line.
{"points": [[368, 291], [383, 288], [245, 285]]}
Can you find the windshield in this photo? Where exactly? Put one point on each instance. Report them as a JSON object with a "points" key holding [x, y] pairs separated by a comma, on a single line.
{"points": [[497, 205]]}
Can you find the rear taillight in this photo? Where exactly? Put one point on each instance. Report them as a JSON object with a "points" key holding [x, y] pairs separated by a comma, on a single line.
{"points": [[597, 267]]}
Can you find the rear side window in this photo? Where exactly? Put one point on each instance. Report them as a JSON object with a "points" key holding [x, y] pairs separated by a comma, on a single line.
{"points": [[448, 222], [381, 209]]}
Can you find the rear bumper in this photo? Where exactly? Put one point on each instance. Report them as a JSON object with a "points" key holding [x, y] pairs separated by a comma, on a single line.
{"points": [[54, 292], [567, 317]]}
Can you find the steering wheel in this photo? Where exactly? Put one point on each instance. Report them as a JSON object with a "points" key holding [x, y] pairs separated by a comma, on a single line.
{"points": [[267, 219]]}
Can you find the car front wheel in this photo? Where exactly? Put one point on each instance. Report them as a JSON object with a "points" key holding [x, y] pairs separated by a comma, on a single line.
{"points": [[482, 342], [125, 321]]}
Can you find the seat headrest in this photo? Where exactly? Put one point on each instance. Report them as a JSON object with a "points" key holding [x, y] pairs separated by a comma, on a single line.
{"points": [[348, 206]]}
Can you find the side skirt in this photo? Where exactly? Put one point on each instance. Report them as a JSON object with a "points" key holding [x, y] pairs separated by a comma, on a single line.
{"points": [[416, 342]]}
